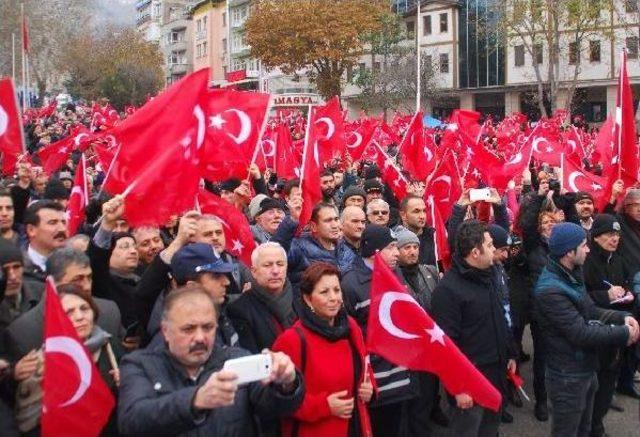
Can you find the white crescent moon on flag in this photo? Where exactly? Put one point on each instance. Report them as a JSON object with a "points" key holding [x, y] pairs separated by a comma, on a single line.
{"points": [[331, 128], [199, 114], [447, 180], [384, 313], [245, 126], [79, 138], [537, 141], [428, 153], [572, 180], [77, 190], [4, 121], [357, 142], [75, 351], [112, 141], [572, 143], [272, 150], [516, 159]]}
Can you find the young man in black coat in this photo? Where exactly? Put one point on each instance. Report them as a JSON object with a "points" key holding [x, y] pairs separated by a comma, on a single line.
{"points": [[466, 304]]}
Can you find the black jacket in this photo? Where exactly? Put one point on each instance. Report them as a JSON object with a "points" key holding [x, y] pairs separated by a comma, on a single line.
{"points": [[572, 326], [395, 383], [156, 397], [629, 247], [467, 306], [257, 327], [421, 280], [601, 266]]}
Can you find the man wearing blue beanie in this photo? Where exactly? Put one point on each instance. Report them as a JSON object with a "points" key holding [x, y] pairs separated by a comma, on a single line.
{"points": [[573, 328]]}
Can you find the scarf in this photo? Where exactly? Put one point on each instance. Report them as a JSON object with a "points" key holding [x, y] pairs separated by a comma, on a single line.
{"points": [[280, 305], [338, 331]]}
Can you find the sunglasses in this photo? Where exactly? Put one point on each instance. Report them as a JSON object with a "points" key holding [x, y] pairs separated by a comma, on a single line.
{"points": [[379, 212]]}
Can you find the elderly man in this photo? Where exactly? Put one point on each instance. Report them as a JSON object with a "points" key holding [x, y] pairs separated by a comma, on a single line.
{"points": [[20, 295], [149, 244], [353, 224], [209, 230], [629, 219], [267, 213], [264, 311], [354, 196], [46, 228], [378, 212], [180, 388]]}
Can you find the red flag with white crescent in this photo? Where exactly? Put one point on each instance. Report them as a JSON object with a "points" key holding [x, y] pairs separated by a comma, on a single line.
{"points": [[11, 139], [79, 199], [400, 331], [75, 398]]}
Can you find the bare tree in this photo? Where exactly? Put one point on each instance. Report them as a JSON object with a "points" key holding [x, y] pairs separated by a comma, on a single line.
{"points": [[558, 31]]}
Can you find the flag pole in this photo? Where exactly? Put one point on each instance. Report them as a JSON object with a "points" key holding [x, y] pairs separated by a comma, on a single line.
{"points": [[24, 68], [619, 110], [418, 57], [13, 57], [306, 147], [261, 134]]}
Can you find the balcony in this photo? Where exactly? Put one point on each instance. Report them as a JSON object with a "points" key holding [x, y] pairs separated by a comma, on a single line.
{"points": [[178, 46], [177, 24], [141, 19], [182, 67]]}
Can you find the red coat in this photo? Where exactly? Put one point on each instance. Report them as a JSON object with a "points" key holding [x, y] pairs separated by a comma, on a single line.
{"points": [[329, 369]]}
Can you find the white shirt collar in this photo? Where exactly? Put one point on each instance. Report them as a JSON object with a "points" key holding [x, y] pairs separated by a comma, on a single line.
{"points": [[37, 258]]}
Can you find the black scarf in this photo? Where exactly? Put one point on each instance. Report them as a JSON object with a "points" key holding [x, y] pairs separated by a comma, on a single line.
{"points": [[338, 331], [280, 305]]}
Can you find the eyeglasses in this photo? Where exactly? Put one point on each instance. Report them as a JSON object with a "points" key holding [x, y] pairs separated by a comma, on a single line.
{"points": [[379, 212]]}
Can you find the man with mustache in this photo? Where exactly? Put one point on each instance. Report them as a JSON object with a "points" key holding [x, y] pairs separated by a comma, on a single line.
{"points": [[46, 228], [180, 387]]}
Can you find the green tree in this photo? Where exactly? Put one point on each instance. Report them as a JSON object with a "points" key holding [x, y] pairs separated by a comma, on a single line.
{"points": [[322, 37]]}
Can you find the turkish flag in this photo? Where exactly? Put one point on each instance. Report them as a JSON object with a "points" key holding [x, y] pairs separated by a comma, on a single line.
{"points": [[574, 179], [441, 238], [417, 157], [625, 137], [500, 175], [444, 185], [358, 136], [157, 166], [75, 399], [287, 163], [235, 121], [49, 110], [79, 198], [105, 156], [391, 175], [466, 122], [238, 237], [266, 156], [11, 139], [56, 155], [546, 143], [329, 126], [401, 332], [573, 145], [310, 175], [604, 143]]}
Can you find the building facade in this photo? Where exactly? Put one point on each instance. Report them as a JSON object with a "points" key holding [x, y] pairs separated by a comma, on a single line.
{"points": [[210, 43]]}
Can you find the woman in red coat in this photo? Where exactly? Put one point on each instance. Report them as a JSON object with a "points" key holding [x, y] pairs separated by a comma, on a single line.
{"points": [[327, 346]]}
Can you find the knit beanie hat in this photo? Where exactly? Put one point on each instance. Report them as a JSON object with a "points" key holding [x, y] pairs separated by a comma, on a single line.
{"points": [[405, 236], [565, 237], [375, 238], [353, 190], [56, 191], [499, 236], [604, 223], [9, 253]]}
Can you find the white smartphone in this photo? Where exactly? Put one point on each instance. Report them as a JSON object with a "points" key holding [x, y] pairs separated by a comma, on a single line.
{"points": [[479, 194], [251, 368]]}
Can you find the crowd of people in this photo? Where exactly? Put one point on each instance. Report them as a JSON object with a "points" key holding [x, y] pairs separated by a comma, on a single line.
{"points": [[160, 309]]}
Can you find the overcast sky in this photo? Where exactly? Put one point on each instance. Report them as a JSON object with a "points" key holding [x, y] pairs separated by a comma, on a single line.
{"points": [[120, 12]]}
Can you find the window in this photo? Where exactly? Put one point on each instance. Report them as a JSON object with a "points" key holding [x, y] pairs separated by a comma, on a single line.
{"points": [[574, 53], [198, 50], [426, 25], [349, 73], [204, 48], [538, 54], [224, 19], [631, 6], [224, 45], [156, 10], [362, 68], [428, 63], [411, 28], [204, 23], [376, 66], [632, 47], [444, 23], [518, 55], [198, 25], [594, 51], [444, 63]]}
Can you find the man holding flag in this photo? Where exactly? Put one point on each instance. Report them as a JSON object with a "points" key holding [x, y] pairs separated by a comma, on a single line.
{"points": [[467, 306]]}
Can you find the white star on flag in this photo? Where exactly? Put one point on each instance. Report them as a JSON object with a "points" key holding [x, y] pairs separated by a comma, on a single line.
{"points": [[237, 246], [452, 127], [596, 187], [437, 334], [217, 121]]}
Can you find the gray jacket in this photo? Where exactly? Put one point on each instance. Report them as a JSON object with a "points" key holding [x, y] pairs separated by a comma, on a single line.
{"points": [[156, 396]]}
